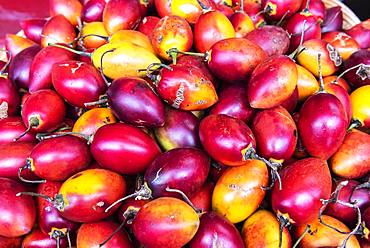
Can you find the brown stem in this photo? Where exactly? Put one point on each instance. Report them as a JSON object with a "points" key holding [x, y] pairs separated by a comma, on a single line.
{"points": [[28, 167], [299, 49], [186, 199], [361, 68], [82, 53], [354, 124], [57, 201], [100, 102], [112, 234], [321, 80], [32, 122], [149, 71], [175, 51], [144, 193], [48, 198], [44, 136], [283, 222], [101, 65], [302, 236]]}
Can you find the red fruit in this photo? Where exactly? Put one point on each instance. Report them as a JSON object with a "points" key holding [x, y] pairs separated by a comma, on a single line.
{"points": [[333, 20], [262, 36], [58, 30], [147, 25], [354, 77], [316, 7], [341, 41], [92, 11], [304, 183], [121, 14], [276, 133], [15, 44], [361, 33], [20, 65], [272, 82], [11, 128], [215, 230], [184, 169], [32, 28], [226, 139], [123, 148], [93, 234], [290, 104], [322, 125], [343, 97], [18, 214], [40, 72], [134, 101], [43, 111], [202, 199], [10, 242], [276, 9], [232, 102], [128, 210], [77, 82], [71, 9], [56, 159], [9, 98], [38, 239]]}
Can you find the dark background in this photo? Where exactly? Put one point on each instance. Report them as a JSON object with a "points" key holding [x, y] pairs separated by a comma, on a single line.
{"points": [[11, 11]]}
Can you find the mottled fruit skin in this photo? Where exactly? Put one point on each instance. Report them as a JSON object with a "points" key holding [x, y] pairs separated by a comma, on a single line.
{"points": [[165, 222], [134, 101], [314, 184], [91, 235], [352, 159], [226, 139], [318, 237], [272, 82], [348, 192], [239, 55], [18, 214], [361, 56], [322, 125], [180, 130], [278, 45], [276, 133], [9, 98], [238, 192], [215, 230], [38, 239], [232, 102], [87, 194], [261, 229], [185, 169], [123, 148]]}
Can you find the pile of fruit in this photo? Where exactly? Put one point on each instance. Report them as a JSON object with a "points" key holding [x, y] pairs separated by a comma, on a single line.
{"points": [[186, 123]]}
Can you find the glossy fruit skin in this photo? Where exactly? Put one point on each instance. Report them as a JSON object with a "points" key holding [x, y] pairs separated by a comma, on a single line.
{"points": [[77, 82], [345, 214], [238, 192], [343, 97], [279, 45], [186, 88], [18, 214], [89, 122], [40, 72], [340, 81], [276, 133], [11, 127], [361, 56], [92, 11], [56, 159], [189, 9], [123, 148], [134, 37], [233, 60], [47, 106], [290, 104], [341, 41], [306, 83], [352, 159], [261, 229], [57, 30], [216, 230], [86, 194], [171, 32], [280, 7], [295, 26], [19, 67], [225, 139], [15, 44], [10, 242], [9, 97], [232, 102], [361, 105], [242, 24], [264, 90], [133, 101], [180, 130], [314, 184], [165, 222], [333, 20], [361, 33], [147, 25], [127, 211], [211, 27], [48, 216], [185, 169], [322, 125], [38, 239], [90, 235], [202, 199], [90, 42], [320, 233], [316, 7], [70, 9], [13, 156], [121, 14], [32, 28]]}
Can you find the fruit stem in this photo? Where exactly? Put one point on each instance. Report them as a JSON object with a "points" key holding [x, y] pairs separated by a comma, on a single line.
{"points": [[69, 240], [32, 122], [101, 65], [82, 53], [302, 236], [362, 68], [28, 167], [186, 199], [175, 50], [7, 62], [306, 8], [283, 222], [241, 7], [354, 124], [149, 71], [101, 101], [144, 193], [299, 49], [48, 198], [203, 6], [41, 136], [282, 18], [112, 234], [322, 87]]}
